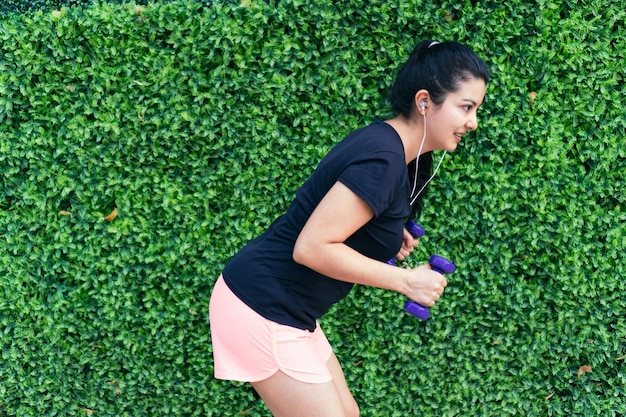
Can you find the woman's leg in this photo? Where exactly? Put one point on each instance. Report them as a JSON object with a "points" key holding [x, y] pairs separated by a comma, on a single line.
{"points": [[350, 407], [288, 397]]}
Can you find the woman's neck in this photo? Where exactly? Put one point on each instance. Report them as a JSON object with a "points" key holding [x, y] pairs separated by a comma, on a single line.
{"points": [[411, 132]]}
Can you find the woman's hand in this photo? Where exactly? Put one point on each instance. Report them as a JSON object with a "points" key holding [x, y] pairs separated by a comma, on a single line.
{"points": [[424, 286], [408, 244]]}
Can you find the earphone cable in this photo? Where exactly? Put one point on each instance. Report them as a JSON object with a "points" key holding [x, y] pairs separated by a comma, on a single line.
{"points": [[419, 152]]}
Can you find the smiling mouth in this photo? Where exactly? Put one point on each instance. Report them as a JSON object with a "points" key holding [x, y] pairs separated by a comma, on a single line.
{"points": [[459, 136]]}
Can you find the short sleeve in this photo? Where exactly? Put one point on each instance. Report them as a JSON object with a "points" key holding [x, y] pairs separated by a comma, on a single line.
{"points": [[375, 179]]}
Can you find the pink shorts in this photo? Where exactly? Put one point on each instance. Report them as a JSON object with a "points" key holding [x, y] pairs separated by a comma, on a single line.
{"points": [[249, 348]]}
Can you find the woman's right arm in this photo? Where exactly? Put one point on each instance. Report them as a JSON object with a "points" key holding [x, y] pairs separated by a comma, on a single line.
{"points": [[320, 246]]}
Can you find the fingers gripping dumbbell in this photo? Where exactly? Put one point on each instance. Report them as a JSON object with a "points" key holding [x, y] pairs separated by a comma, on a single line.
{"points": [[437, 263]]}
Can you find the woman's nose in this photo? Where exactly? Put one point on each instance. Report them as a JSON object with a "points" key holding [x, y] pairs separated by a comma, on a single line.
{"points": [[472, 123]]}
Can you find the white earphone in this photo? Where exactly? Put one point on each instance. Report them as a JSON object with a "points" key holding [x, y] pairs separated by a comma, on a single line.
{"points": [[414, 195]]}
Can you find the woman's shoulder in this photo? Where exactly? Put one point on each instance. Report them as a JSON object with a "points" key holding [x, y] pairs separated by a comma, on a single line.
{"points": [[376, 129], [378, 136]]}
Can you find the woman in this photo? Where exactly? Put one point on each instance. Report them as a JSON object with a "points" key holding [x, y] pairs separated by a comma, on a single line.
{"points": [[345, 222]]}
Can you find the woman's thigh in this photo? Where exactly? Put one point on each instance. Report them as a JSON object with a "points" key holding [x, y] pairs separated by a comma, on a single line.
{"points": [[288, 397]]}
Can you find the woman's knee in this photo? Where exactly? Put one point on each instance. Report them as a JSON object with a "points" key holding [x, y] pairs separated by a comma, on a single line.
{"points": [[352, 409]]}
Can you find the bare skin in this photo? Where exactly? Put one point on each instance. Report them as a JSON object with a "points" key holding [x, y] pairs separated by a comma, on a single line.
{"points": [[287, 397]]}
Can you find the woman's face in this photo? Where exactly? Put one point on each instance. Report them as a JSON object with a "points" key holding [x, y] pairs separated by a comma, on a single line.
{"points": [[449, 122]]}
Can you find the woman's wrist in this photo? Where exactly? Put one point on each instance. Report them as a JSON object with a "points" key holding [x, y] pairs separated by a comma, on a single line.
{"points": [[401, 282]]}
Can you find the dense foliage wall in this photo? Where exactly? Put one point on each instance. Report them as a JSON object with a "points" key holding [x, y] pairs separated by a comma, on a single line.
{"points": [[31, 6], [141, 146]]}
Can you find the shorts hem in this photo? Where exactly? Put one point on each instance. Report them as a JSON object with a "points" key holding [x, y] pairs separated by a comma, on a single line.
{"points": [[298, 377], [226, 376]]}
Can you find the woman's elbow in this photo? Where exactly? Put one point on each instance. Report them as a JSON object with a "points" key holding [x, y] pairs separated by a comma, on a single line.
{"points": [[300, 253], [307, 252]]}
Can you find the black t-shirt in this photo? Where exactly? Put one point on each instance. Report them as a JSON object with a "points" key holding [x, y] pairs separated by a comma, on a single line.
{"points": [[370, 162]]}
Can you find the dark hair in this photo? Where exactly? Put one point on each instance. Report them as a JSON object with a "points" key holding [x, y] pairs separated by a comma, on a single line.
{"points": [[438, 68]]}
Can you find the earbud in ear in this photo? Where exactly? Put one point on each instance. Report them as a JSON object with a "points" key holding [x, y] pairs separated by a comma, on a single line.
{"points": [[423, 107]]}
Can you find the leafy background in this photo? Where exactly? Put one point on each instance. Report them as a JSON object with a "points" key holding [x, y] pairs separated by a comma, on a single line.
{"points": [[142, 145]]}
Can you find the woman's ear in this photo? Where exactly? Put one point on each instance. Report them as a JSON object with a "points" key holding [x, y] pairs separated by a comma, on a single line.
{"points": [[422, 98]]}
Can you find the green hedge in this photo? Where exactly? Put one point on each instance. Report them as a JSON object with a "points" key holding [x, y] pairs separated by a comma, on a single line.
{"points": [[31, 6], [141, 146]]}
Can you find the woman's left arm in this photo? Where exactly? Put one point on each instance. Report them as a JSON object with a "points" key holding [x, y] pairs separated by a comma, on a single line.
{"points": [[408, 244]]}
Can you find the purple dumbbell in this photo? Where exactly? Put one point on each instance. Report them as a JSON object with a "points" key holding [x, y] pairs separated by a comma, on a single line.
{"points": [[438, 264]]}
